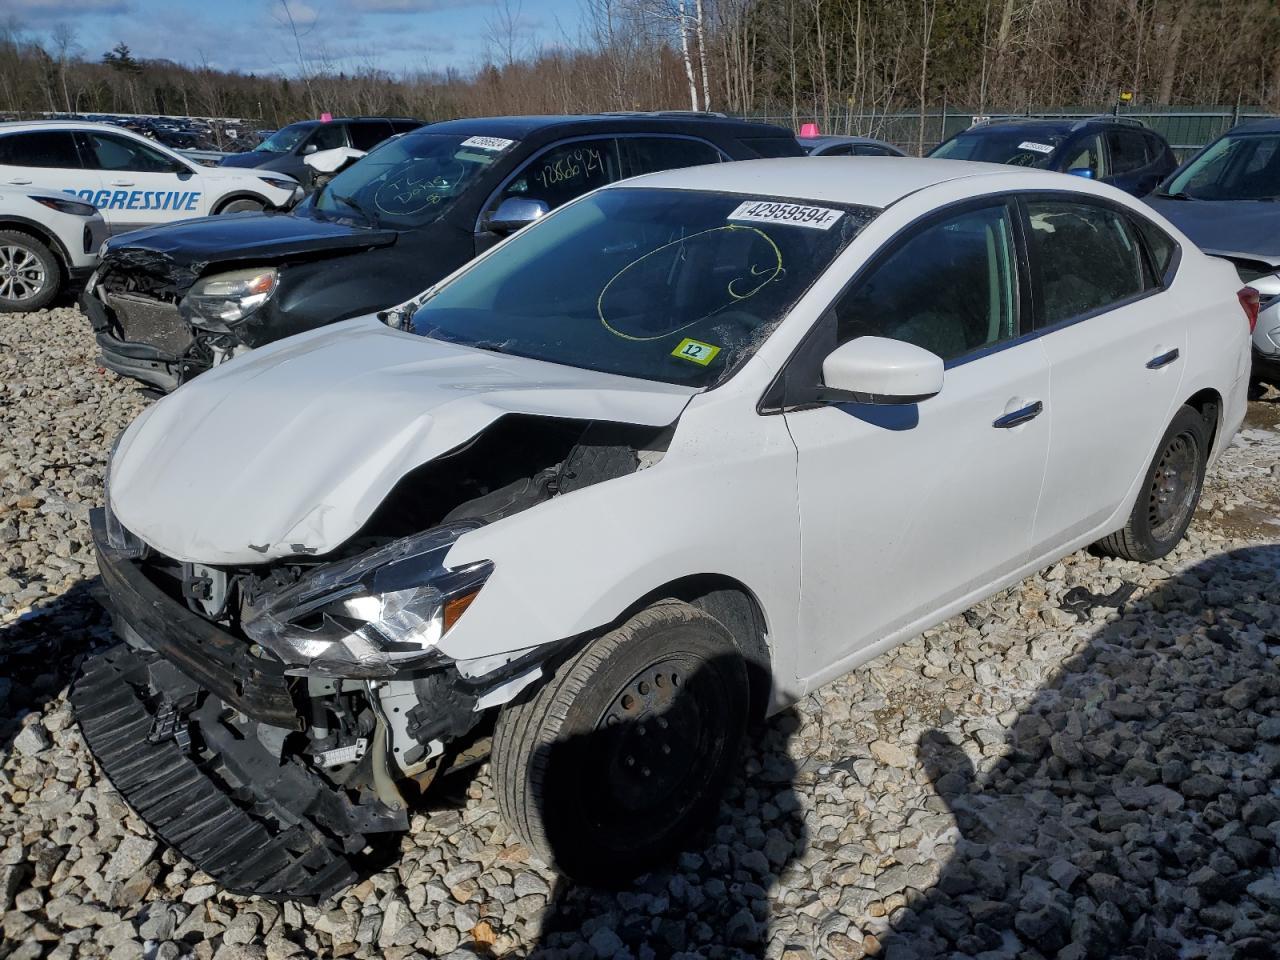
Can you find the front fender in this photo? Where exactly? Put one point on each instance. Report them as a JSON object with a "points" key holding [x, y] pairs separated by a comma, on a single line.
{"points": [[722, 501]]}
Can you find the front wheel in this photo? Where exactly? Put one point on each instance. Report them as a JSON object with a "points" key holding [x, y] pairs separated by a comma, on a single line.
{"points": [[611, 766], [30, 275], [1169, 495]]}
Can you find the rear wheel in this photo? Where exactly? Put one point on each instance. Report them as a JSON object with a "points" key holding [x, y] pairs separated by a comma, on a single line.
{"points": [[30, 274], [1169, 495], [617, 760], [243, 205]]}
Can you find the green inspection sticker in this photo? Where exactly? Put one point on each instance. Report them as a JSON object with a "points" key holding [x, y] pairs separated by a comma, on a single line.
{"points": [[695, 350]]}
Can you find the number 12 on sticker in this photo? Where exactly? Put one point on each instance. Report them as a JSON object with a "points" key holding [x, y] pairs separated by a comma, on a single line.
{"points": [[696, 351]]}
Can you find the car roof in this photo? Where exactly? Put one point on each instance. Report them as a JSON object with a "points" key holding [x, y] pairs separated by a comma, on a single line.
{"points": [[12, 126], [1266, 125], [826, 140], [865, 181], [674, 121]]}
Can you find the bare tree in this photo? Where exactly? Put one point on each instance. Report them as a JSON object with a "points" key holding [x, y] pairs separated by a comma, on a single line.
{"points": [[303, 69], [63, 36]]}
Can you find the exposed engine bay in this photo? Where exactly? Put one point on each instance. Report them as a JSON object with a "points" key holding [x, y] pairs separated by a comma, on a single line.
{"points": [[301, 705]]}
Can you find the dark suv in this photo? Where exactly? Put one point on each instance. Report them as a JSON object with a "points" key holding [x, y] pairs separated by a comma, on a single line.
{"points": [[1114, 150], [169, 302], [285, 150]]}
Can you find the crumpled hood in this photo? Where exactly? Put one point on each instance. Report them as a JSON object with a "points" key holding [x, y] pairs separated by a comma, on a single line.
{"points": [[289, 449], [1230, 228]]}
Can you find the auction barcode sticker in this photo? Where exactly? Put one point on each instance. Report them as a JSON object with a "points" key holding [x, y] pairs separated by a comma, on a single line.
{"points": [[488, 143], [796, 214], [1037, 147]]}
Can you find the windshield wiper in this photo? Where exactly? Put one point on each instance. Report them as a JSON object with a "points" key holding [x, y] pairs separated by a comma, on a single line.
{"points": [[353, 204], [1180, 195]]}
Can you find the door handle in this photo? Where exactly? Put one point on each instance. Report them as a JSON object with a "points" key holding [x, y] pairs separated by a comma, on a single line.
{"points": [[1155, 363], [1019, 416], [122, 183], [21, 181]]}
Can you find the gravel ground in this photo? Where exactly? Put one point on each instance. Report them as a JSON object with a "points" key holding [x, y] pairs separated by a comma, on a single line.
{"points": [[1048, 775]]}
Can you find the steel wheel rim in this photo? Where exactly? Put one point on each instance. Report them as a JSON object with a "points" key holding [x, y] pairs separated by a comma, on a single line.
{"points": [[22, 275], [1173, 487], [657, 747]]}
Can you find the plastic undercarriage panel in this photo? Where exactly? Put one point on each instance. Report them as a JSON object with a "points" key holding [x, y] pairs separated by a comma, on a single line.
{"points": [[240, 840]]}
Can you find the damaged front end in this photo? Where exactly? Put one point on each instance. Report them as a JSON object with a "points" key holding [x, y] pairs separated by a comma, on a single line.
{"points": [[270, 720]]}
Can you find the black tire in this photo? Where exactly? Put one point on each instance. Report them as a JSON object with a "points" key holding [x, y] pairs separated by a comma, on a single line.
{"points": [[242, 205], [1169, 494], [30, 275], [615, 762]]}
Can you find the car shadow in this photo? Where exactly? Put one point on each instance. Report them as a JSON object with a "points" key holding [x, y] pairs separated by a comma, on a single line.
{"points": [[1133, 808], [713, 899]]}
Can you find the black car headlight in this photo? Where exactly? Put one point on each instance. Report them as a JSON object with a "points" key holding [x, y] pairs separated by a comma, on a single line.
{"points": [[372, 615], [219, 301], [278, 183]]}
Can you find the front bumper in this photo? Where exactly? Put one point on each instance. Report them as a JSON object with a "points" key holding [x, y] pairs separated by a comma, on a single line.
{"points": [[178, 729], [152, 364], [1266, 367]]}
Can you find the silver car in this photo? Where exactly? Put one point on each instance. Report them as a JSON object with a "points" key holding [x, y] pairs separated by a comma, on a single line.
{"points": [[1227, 200]]}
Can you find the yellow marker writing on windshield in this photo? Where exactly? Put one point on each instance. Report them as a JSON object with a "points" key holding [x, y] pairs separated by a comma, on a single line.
{"points": [[695, 350]]}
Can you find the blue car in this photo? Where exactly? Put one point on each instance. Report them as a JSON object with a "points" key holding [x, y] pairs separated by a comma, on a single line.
{"points": [[1117, 151]]}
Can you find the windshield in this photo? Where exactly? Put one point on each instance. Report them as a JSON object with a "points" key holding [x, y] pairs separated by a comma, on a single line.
{"points": [[1242, 166], [410, 180], [671, 285], [1018, 149], [284, 139]]}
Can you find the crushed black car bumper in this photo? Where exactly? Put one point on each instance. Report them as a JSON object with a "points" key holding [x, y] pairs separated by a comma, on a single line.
{"points": [[157, 367], [175, 730]]}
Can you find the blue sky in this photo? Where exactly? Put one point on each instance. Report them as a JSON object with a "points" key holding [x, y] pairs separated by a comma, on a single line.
{"points": [[252, 36]]}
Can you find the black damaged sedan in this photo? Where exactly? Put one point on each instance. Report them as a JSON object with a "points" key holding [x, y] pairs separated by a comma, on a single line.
{"points": [[170, 302]]}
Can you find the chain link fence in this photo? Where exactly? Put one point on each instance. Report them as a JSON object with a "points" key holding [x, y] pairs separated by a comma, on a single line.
{"points": [[1186, 128]]}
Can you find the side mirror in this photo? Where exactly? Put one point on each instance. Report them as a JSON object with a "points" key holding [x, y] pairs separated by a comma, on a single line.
{"points": [[880, 370], [516, 212], [309, 148], [1084, 172]]}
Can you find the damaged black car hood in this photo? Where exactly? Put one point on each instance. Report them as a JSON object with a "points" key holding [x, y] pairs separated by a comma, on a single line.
{"points": [[1248, 229], [247, 236]]}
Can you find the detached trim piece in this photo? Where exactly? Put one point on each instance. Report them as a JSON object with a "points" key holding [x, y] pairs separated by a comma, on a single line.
{"points": [[188, 809]]}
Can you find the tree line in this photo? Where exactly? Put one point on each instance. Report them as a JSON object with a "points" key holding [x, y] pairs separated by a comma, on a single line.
{"points": [[802, 60]]}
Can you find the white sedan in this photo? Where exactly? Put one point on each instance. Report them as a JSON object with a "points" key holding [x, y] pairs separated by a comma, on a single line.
{"points": [[47, 240], [667, 460], [134, 181]]}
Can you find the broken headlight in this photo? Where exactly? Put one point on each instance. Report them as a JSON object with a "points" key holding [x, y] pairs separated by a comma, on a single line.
{"points": [[372, 615], [119, 537], [219, 301]]}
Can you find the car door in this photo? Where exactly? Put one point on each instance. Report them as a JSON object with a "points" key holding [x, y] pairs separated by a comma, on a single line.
{"points": [[46, 158], [905, 510], [1114, 347], [141, 184], [555, 175]]}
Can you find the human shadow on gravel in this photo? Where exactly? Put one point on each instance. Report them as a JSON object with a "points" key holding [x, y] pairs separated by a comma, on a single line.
{"points": [[40, 653], [712, 899], [1136, 810]]}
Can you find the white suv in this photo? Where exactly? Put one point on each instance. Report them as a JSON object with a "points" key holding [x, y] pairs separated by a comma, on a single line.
{"points": [[47, 241], [133, 181], [664, 461]]}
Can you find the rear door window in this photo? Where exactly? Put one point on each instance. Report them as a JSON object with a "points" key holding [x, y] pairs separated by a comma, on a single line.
{"points": [[1128, 150], [41, 148], [651, 154], [367, 134], [773, 146], [1161, 247], [112, 152], [1087, 257]]}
